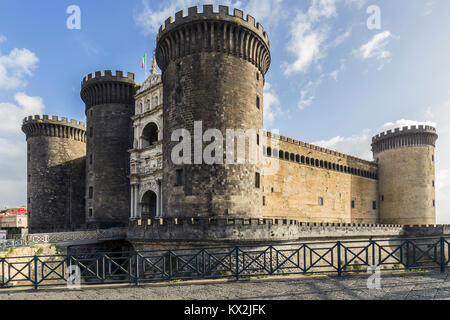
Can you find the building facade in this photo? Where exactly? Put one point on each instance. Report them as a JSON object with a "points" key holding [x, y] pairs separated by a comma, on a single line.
{"points": [[213, 72]]}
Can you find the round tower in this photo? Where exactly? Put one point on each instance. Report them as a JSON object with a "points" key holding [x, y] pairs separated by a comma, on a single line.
{"points": [[406, 170], [213, 67], [56, 176], [109, 103]]}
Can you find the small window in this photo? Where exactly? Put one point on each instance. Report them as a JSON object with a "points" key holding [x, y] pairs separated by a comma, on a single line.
{"points": [[382, 197], [90, 159], [29, 178], [257, 75], [29, 200], [180, 177], [353, 204], [91, 192], [320, 201], [257, 180], [432, 158], [91, 132], [257, 139], [258, 102], [91, 212], [264, 200], [374, 205], [433, 184], [434, 203]]}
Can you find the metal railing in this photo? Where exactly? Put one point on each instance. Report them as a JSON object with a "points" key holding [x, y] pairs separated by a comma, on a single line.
{"points": [[236, 262]]}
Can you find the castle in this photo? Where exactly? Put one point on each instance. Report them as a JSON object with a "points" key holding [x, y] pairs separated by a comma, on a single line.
{"points": [[117, 169]]}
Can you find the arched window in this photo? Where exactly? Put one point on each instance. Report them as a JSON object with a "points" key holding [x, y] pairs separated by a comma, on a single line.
{"points": [[317, 163], [302, 159], [149, 135], [297, 158], [147, 105], [281, 154], [269, 151], [312, 161], [155, 102], [286, 155], [321, 163], [258, 102], [148, 204]]}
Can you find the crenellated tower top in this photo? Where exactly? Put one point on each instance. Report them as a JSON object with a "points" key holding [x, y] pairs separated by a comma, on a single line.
{"points": [[105, 88], [412, 136], [54, 127], [211, 31]]}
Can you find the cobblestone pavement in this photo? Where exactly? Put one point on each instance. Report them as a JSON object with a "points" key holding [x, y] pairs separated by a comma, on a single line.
{"points": [[393, 286]]}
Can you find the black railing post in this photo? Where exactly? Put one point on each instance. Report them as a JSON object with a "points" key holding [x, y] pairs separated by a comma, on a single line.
{"points": [[36, 273], [443, 260], [373, 252], [136, 270], [237, 262], [2, 277], [339, 266], [170, 265], [407, 255], [271, 261]]}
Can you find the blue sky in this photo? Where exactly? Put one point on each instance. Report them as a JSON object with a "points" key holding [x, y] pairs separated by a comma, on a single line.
{"points": [[332, 81]]}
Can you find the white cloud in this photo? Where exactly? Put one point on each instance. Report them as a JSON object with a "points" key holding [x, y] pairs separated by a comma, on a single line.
{"points": [[334, 74], [341, 38], [149, 18], [308, 36], [12, 114], [376, 47], [356, 145], [13, 148], [15, 66], [272, 107], [428, 8]]}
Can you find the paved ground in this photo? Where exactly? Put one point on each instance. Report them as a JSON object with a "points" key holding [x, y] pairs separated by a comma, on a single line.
{"points": [[393, 286]]}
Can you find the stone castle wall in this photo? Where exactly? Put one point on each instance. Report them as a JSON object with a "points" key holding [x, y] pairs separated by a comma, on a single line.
{"points": [[298, 174], [56, 171]]}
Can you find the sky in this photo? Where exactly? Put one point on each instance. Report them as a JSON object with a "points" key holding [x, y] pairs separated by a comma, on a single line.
{"points": [[342, 70]]}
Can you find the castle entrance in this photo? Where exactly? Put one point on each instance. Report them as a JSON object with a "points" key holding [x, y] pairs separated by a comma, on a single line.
{"points": [[149, 204]]}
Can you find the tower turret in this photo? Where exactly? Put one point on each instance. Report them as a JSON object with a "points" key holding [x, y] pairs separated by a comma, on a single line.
{"points": [[406, 175], [109, 103], [213, 66], [56, 172]]}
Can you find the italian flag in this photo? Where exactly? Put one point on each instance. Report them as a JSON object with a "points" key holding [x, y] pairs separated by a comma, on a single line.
{"points": [[144, 60]]}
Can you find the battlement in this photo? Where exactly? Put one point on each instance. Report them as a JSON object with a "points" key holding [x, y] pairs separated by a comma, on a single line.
{"points": [[54, 127], [106, 88], [318, 148], [403, 131], [107, 75], [211, 31], [223, 229], [55, 120], [208, 14], [421, 135], [250, 221]]}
